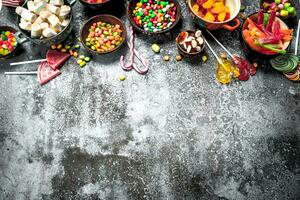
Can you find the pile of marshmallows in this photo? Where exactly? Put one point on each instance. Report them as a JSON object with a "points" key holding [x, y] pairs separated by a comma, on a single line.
{"points": [[44, 18]]}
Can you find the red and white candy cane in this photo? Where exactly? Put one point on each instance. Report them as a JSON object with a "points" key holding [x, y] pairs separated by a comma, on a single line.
{"points": [[133, 52]]}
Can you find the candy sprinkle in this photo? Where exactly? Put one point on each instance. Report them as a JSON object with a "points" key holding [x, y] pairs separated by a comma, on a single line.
{"points": [[154, 15], [122, 78], [155, 48]]}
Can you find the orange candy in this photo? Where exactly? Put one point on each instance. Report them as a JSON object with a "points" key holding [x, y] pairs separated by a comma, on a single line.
{"points": [[215, 10], [208, 4], [209, 17]]}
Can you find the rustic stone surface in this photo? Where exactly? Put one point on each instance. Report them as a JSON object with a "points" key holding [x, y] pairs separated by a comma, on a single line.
{"points": [[174, 133]]}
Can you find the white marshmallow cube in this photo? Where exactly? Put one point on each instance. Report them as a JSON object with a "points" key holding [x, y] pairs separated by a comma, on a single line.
{"points": [[57, 2], [53, 9], [45, 14], [25, 25], [36, 31], [54, 21], [40, 7], [48, 33], [31, 6], [64, 11]]}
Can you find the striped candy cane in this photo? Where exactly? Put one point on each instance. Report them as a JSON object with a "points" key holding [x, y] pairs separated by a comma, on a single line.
{"points": [[133, 52]]}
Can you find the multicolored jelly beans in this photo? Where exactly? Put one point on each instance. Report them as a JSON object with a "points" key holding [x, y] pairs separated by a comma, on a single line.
{"points": [[104, 37], [154, 15], [8, 43]]}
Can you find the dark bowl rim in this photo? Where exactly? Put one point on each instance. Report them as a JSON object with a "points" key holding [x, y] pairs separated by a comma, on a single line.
{"points": [[242, 28], [123, 27], [177, 18], [180, 48], [15, 31], [45, 39], [94, 4]]}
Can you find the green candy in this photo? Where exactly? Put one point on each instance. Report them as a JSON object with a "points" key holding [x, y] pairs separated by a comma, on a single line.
{"points": [[291, 10], [286, 5], [285, 63]]}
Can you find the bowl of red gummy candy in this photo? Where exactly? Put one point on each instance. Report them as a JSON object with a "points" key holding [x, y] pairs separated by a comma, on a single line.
{"points": [[266, 34], [10, 40], [153, 16], [96, 4]]}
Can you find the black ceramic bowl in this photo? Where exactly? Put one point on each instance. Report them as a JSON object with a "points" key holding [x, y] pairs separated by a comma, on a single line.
{"points": [[104, 18], [106, 4], [18, 37], [130, 8], [56, 38]]}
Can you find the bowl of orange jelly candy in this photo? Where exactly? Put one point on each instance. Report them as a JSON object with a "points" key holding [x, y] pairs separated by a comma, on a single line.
{"points": [[216, 14]]}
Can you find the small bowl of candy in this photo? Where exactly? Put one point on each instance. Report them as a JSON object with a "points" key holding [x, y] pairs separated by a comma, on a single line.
{"points": [[152, 16], [284, 8], [103, 34], [266, 34], [10, 41], [96, 4], [46, 22], [190, 43]]}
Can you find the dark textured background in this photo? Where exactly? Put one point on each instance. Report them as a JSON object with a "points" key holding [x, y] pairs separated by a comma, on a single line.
{"points": [[174, 133]]}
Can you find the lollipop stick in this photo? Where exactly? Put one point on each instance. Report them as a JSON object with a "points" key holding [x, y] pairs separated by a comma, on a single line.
{"points": [[211, 49], [27, 62], [297, 38], [20, 73], [219, 43]]}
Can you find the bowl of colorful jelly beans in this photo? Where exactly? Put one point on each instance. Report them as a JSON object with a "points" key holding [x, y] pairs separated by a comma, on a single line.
{"points": [[284, 8], [96, 4], [153, 16], [9, 41], [103, 34]]}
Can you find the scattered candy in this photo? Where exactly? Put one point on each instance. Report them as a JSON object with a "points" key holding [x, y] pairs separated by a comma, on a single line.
{"points": [[154, 15], [104, 37], [190, 42], [212, 10], [87, 59], [59, 46], [178, 58], [283, 8], [77, 46], [204, 58], [155, 48], [63, 50], [122, 78], [167, 58], [53, 46], [75, 54], [223, 55], [8, 43]]}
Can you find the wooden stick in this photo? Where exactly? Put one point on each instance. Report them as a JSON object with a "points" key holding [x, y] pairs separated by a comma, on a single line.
{"points": [[297, 38], [27, 62], [220, 43], [212, 50], [20, 73]]}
